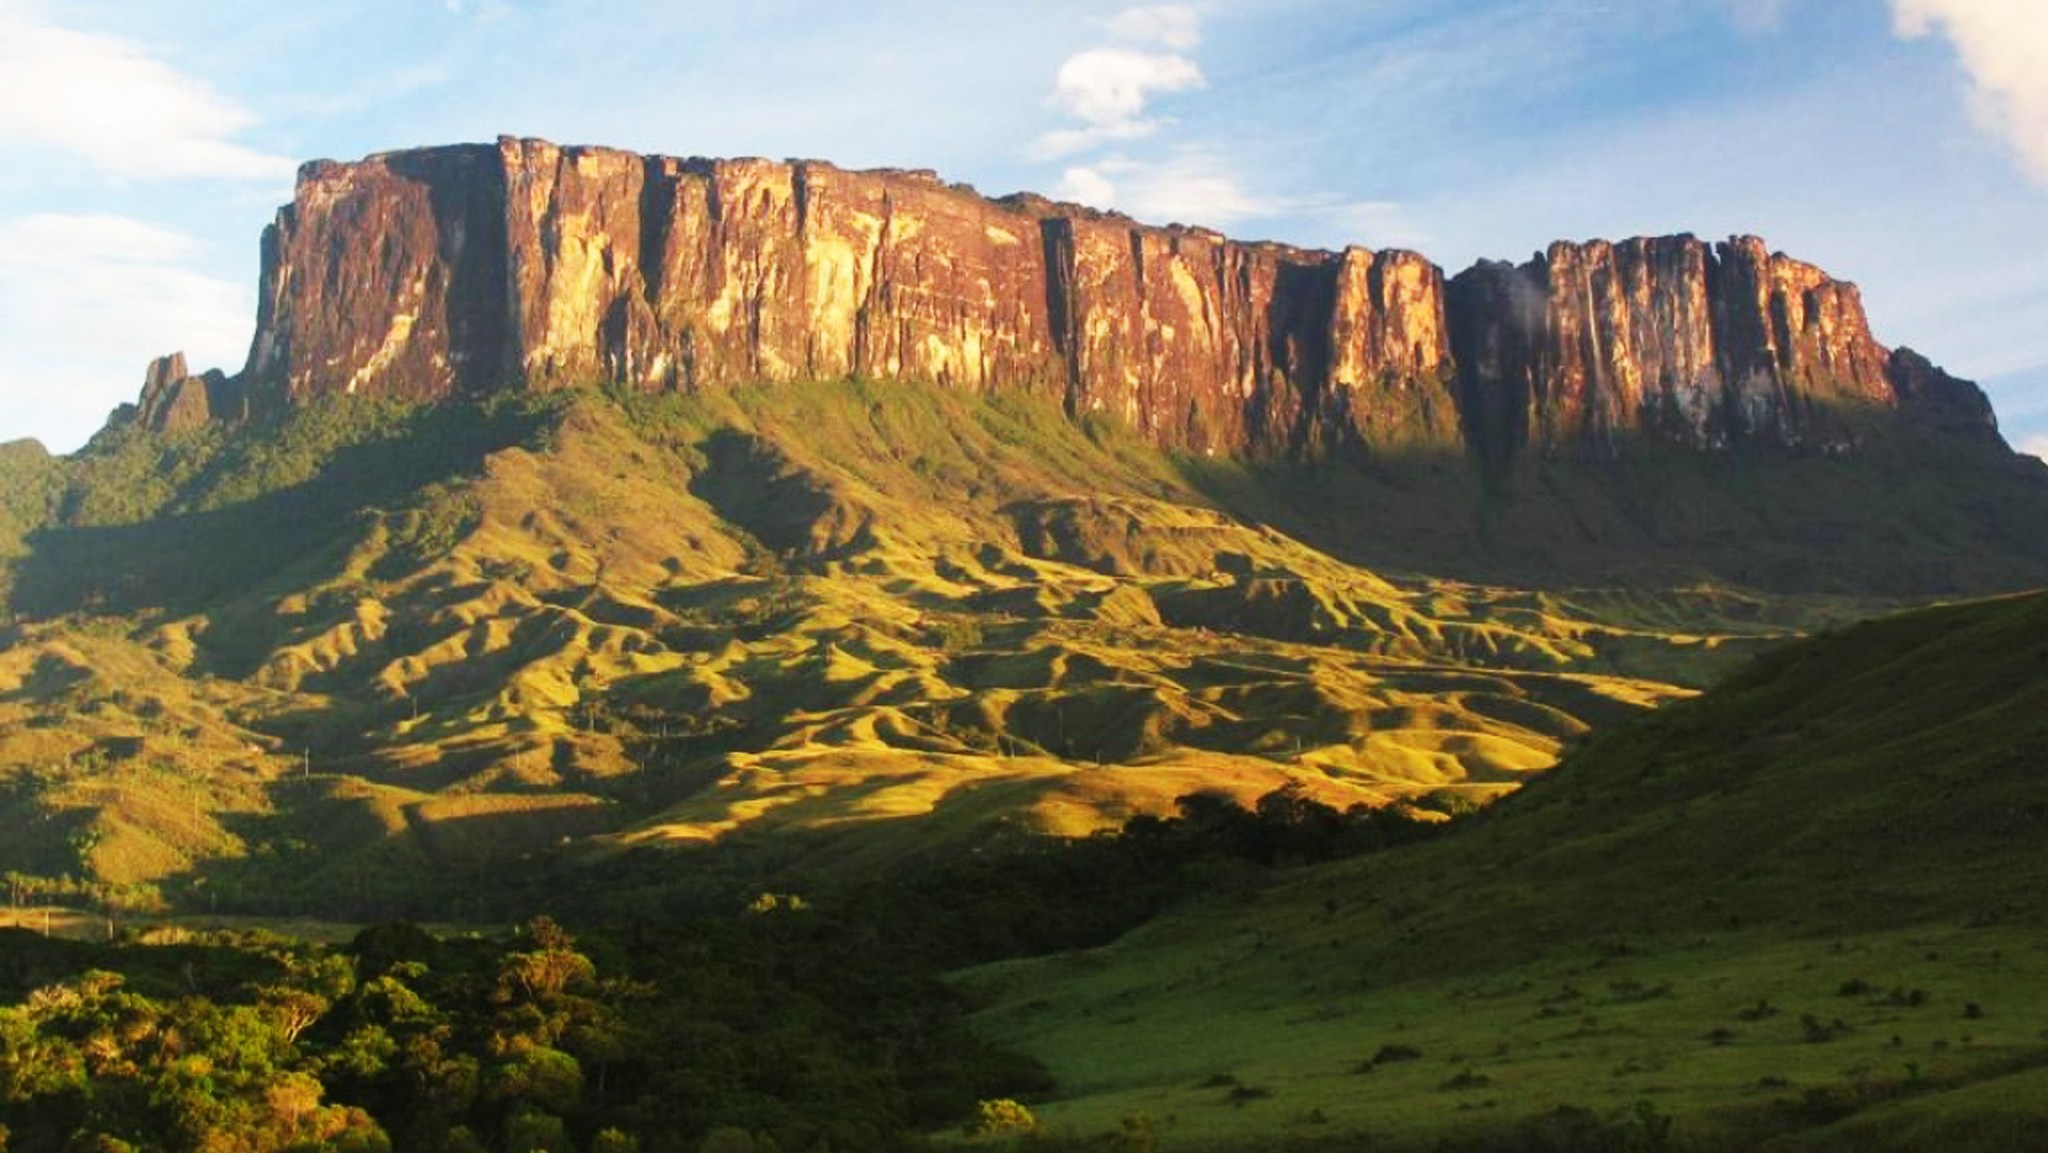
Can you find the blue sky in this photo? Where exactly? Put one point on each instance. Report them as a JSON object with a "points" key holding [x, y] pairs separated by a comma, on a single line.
{"points": [[1902, 144]]}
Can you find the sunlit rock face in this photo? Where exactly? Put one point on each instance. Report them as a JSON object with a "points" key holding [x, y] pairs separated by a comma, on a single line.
{"points": [[446, 271], [1591, 345], [451, 271]]}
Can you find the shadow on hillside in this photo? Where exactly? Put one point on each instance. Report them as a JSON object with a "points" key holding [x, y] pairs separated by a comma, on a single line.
{"points": [[325, 853], [189, 560], [752, 485], [1933, 516]]}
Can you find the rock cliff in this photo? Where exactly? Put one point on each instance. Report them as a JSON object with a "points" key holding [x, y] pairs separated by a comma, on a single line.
{"points": [[1593, 344], [174, 399], [459, 270]]}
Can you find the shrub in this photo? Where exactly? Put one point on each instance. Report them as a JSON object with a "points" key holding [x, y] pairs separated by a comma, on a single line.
{"points": [[1001, 1118], [1388, 1054]]}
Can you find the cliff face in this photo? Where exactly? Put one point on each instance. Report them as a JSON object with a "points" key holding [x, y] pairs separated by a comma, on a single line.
{"points": [[459, 270], [1670, 338]]}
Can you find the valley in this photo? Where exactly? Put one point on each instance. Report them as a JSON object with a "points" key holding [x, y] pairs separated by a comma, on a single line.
{"points": [[637, 621], [842, 662]]}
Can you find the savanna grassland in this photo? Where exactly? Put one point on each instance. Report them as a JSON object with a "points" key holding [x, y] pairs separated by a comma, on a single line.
{"points": [[890, 752], [1803, 911], [301, 668]]}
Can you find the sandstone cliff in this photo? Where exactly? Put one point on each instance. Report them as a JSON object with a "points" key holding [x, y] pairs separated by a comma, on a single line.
{"points": [[463, 269], [1670, 338], [174, 399]]}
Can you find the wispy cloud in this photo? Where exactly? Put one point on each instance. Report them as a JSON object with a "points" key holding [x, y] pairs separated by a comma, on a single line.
{"points": [[2036, 446], [1177, 26], [88, 300], [1192, 186], [1758, 15], [119, 107], [1200, 186], [2004, 48], [1109, 89], [1087, 185]]}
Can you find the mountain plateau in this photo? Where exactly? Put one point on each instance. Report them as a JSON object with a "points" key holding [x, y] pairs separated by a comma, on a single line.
{"points": [[462, 270]]}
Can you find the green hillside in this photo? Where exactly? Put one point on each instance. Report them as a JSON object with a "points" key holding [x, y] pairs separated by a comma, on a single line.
{"points": [[1804, 910], [350, 659], [882, 659]]}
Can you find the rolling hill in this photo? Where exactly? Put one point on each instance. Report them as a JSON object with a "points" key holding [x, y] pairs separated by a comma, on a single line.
{"points": [[371, 642], [672, 499], [1801, 911]]}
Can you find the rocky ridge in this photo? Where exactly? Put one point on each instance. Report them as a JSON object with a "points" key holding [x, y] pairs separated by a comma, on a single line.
{"points": [[459, 270]]}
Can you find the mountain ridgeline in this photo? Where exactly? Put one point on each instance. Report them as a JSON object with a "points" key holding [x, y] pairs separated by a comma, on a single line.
{"points": [[463, 270]]}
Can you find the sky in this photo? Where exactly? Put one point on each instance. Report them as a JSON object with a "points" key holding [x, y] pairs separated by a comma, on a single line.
{"points": [[1900, 144]]}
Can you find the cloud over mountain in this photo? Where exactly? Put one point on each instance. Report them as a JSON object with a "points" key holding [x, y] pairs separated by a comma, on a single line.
{"points": [[2004, 48], [118, 106]]}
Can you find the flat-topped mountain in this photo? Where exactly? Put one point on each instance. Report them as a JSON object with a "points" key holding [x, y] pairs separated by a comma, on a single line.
{"points": [[468, 269]]}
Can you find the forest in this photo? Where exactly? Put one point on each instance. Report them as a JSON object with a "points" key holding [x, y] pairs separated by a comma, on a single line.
{"points": [[684, 1019]]}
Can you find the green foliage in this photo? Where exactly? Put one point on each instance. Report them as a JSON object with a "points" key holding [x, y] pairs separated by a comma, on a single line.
{"points": [[150, 520], [374, 660], [1001, 1119], [784, 1031]]}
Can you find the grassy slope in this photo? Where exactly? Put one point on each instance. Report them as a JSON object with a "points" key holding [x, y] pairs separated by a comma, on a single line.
{"points": [[421, 641], [1907, 515], [1759, 911]]}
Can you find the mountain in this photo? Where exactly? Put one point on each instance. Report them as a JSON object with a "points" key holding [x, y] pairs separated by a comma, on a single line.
{"points": [[1655, 410], [574, 501], [463, 270], [633, 537], [365, 647], [1800, 911]]}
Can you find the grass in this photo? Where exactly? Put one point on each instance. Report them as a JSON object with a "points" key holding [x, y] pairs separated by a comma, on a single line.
{"points": [[1804, 906], [1146, 1028], [374, 661], [627, 619]]}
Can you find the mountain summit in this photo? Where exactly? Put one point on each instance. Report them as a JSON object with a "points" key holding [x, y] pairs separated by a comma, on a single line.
{"points": [[462, 270]]}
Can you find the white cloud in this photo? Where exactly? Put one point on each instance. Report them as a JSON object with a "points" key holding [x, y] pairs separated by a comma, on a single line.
{"points": [[1069, 141], [1175, 25], [1193, 186], [1107, 89], [2004, 48], [1086, 186], [85, 302], [1198, 186], [111, 102], [2036, 446]]}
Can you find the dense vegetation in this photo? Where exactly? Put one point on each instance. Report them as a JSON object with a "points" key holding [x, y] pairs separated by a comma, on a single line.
{"points": [[785, 1023], [1802, 911], [768, 1024], [789, 701], [367, 661]]}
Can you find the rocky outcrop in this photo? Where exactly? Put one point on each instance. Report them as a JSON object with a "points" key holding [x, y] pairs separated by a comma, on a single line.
{"points": [[459, 270], [1956, 407], [174, 400]]}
